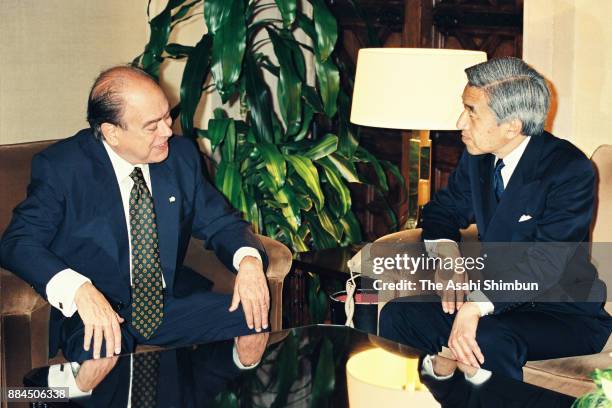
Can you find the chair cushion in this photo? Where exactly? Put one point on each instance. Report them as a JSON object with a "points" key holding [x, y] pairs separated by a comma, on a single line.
{"points": [[578, 367]]}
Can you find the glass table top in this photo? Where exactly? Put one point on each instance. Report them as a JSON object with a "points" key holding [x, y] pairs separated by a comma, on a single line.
{"points": [[312, 366]]}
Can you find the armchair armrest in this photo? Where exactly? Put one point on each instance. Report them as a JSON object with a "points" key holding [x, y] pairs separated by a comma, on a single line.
{"points": [[469, 234], [208, 265]]}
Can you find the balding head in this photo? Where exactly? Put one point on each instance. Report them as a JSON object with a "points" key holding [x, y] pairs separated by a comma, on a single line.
{"points": [[107, 96]]}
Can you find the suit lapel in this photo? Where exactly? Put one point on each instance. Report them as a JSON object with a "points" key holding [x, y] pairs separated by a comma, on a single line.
{"points": [[515, 194], [109, 203], [167, 202]]}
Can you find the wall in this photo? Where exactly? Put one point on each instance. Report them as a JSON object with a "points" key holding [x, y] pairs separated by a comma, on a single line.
{"points": [[51, 52], [570, 42]]}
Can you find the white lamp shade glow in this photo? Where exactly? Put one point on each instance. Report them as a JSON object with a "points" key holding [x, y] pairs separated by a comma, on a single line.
{"points": [[378, 378], [411, 88]]}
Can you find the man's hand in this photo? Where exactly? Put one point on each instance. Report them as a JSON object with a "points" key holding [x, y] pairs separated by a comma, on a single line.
{"points": [[462, 340], [251, 348], [251, 288], [100, 320], [451, 299], [92, 372]]}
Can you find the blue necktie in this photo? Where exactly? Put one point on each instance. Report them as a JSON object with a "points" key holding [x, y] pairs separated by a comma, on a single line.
{"points": [[498, 182]]}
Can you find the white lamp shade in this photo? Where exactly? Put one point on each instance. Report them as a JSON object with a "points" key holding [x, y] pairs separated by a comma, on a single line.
{"points": [[411, 88], [378, 378]]}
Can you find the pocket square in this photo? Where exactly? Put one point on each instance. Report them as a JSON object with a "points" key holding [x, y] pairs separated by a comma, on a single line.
{"points": [[525, 217]]}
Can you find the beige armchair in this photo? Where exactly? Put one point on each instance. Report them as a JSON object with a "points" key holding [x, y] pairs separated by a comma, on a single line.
{"points": [[567, 375], [25, 315]]}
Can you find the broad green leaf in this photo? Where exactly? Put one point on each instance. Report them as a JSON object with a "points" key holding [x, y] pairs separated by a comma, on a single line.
{"points": [[352, 230], [328, 79], [229, 43], [184, 10], [343, 193], [275, 221], [306, 25], [217, 128], [253, 215], [290, 211], [160, 31], [326, 29], [194, 74], [307, 119], [258, 97], [287, 9], [344, 166], [178, 50], [312, 98], [215, 12], [324, 379], [297, 56], [320, 238], [335, 230], [387, 208], [308, 172], [322, 147], [347, 132], [228, 148], [229, 180], [289, 86], [368, 157], [275, 163], [392, 168]]}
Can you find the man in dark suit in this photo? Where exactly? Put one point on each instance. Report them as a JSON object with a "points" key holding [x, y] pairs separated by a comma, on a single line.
{"points": [[532, 192], [106, 224]]}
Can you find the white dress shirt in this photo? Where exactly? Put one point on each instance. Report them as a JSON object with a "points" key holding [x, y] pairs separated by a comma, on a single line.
{"points": [[480, 377], [64, 375], [510, 162], [62, 287]]}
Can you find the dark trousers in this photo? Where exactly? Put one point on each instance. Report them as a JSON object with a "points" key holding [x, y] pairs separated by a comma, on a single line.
{"points": [[201, 317], [507, 340]]}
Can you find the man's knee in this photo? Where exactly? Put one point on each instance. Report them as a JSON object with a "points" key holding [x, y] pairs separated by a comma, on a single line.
{"points": [[503, 350]]}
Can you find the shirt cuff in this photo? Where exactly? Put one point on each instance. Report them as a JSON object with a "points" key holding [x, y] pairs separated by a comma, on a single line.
{"points": [[61, 290], [480, 377], [62, 375], [427, 368], [241, 253], [481, 300], [239, 364]]}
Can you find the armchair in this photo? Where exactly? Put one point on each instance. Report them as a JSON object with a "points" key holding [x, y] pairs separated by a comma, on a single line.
{"points": [[25, 315], [568, 375]]}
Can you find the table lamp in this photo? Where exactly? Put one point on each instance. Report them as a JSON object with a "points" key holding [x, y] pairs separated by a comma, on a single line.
{"points": [[379, 378], [412, 89]]}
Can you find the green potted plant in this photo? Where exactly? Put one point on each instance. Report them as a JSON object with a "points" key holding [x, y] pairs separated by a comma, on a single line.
{"points": [[286, 176], [602, 396]]}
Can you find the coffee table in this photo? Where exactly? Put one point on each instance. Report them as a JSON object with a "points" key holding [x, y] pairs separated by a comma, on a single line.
{"points": [[301, 367]]}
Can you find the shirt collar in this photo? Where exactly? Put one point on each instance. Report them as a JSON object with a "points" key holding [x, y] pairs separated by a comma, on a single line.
{"points": [[122, 167], [512, 158]]}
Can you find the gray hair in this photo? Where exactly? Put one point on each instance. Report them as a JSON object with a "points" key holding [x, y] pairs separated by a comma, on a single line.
{"points": [[515, 91]]}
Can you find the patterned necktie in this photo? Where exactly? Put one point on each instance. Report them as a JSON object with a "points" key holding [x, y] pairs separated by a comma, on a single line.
{"points": [[147, 295], [498, 181], [145, 379]]}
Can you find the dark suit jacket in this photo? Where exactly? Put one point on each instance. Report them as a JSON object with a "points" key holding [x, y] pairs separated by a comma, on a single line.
{"points": [[554, 184], [73, 218]]}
